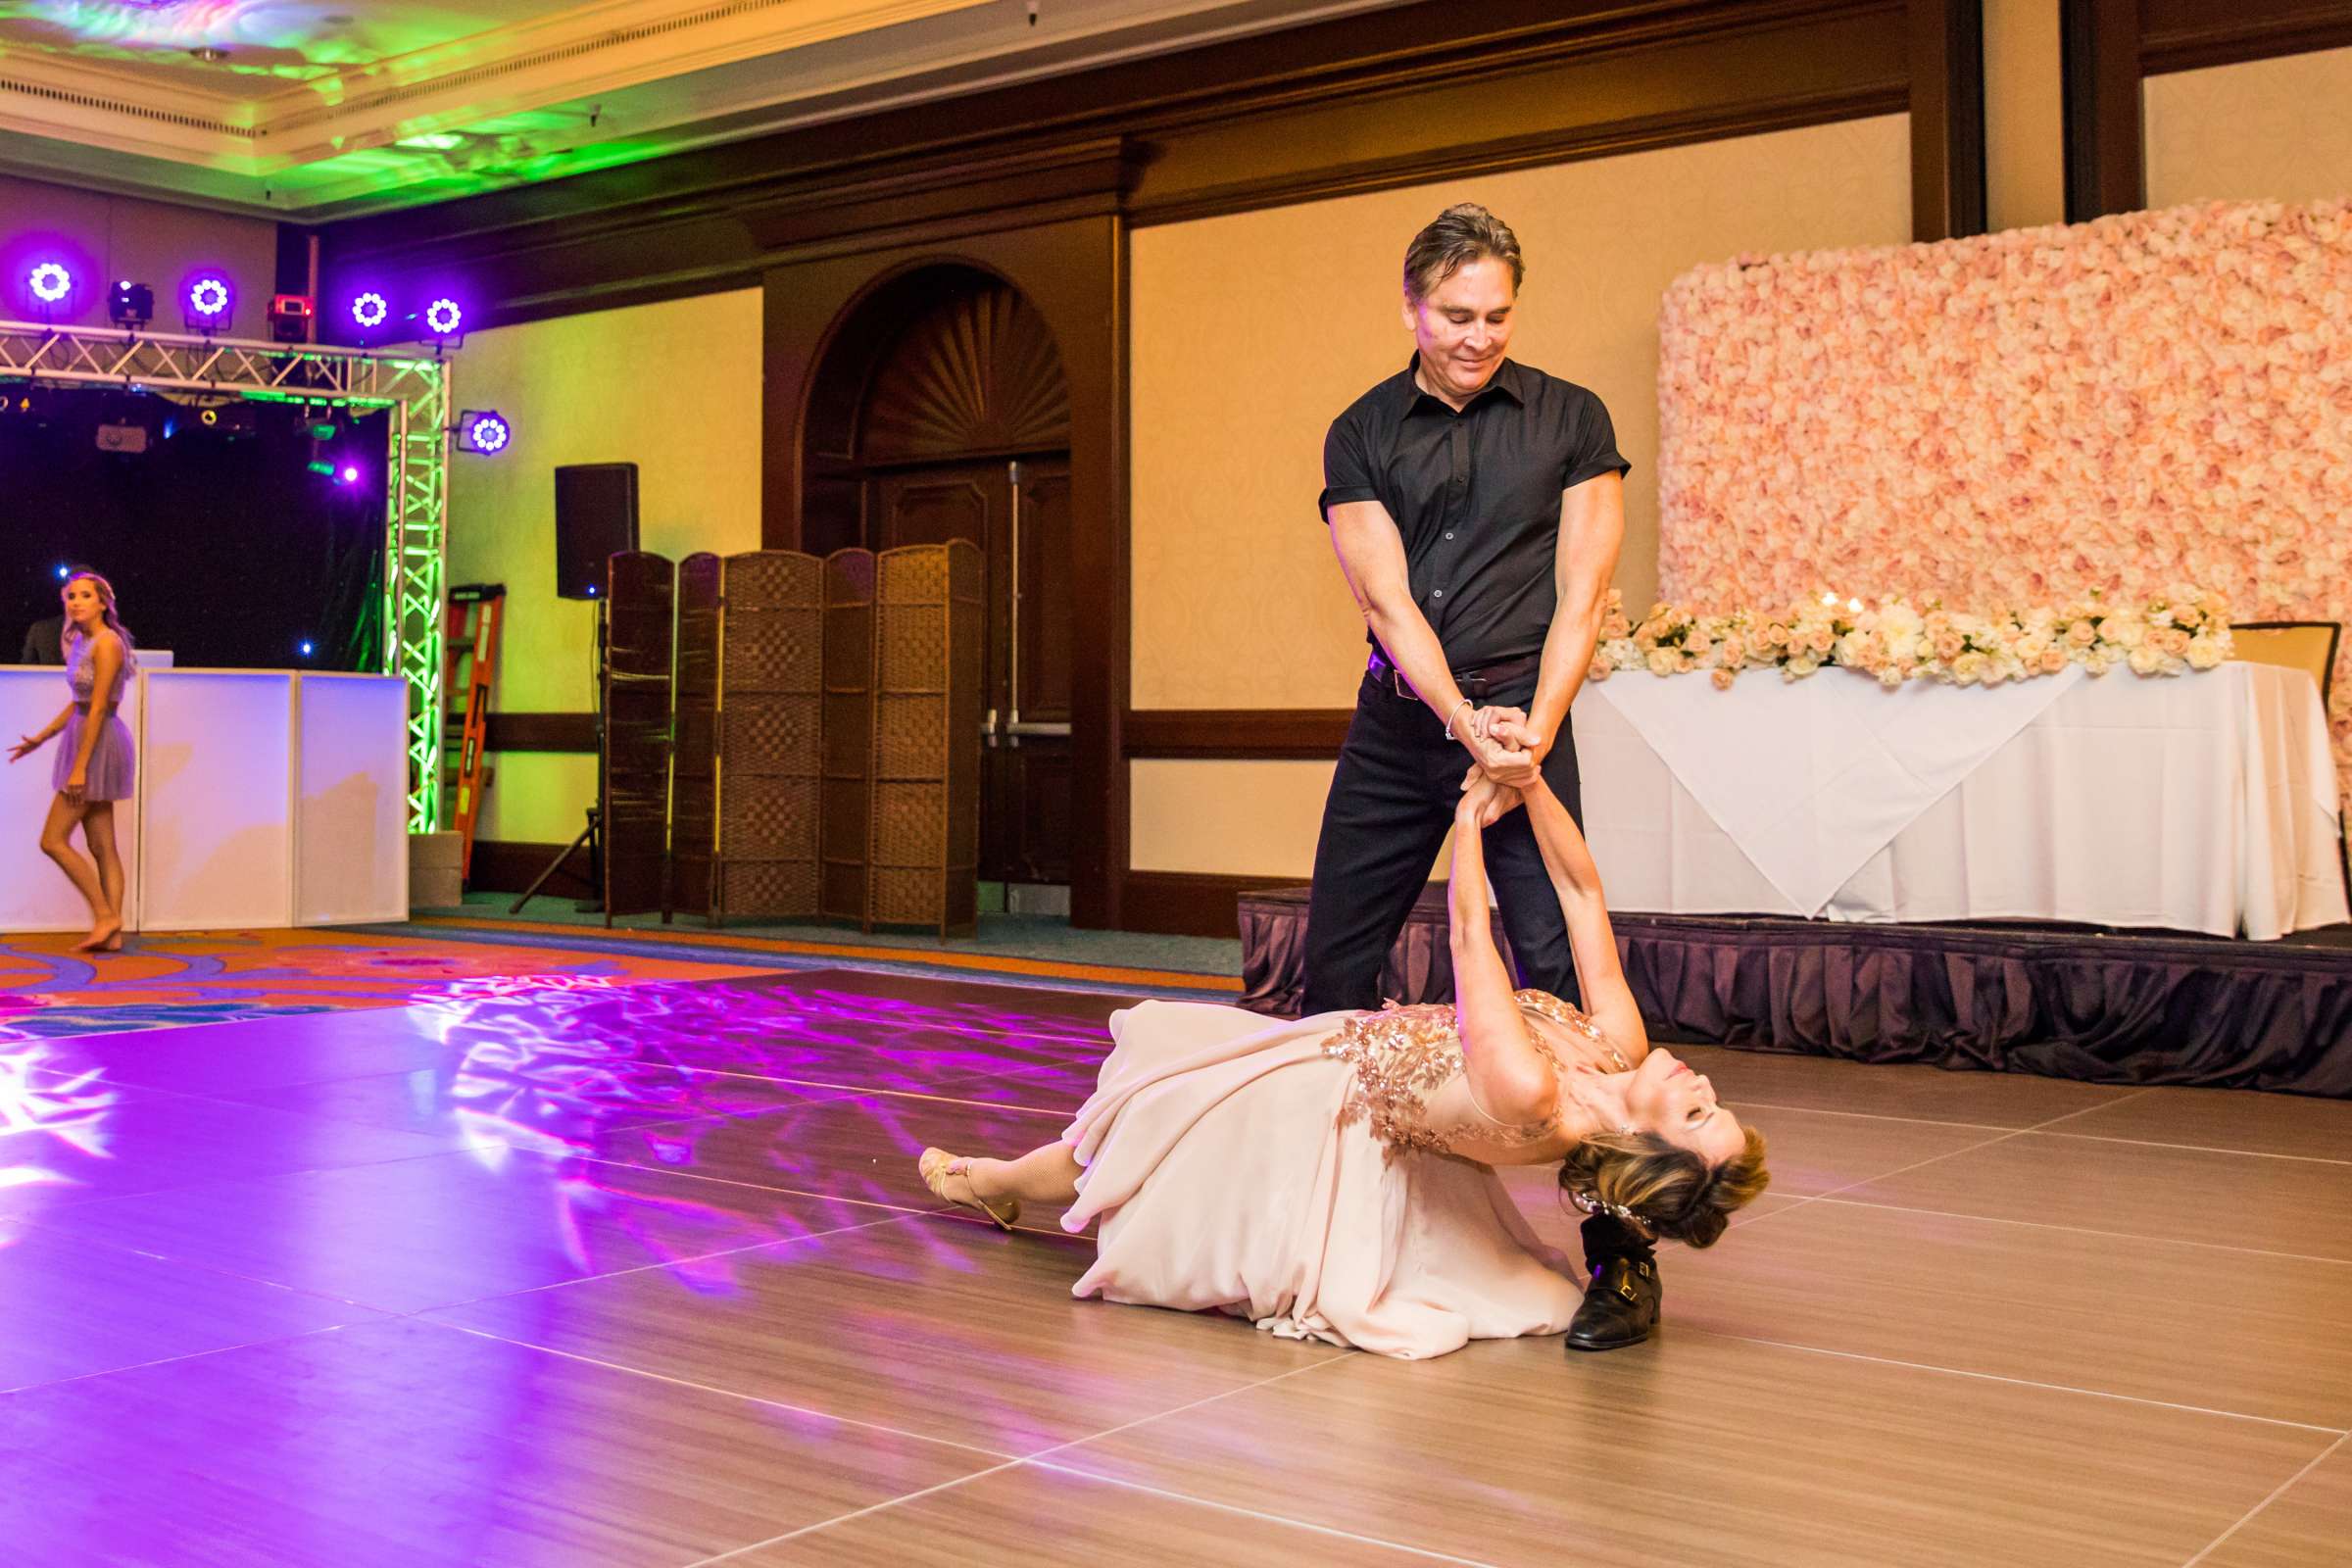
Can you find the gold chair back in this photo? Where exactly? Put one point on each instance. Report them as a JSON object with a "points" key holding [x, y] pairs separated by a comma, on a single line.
{"points": [[2305, 645]]}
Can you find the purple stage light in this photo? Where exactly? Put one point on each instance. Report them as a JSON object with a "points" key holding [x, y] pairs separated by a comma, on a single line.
{"points": [[444, 316], [209, 298], [349, 476], [50, 282], [484, 431], [370, 309]]}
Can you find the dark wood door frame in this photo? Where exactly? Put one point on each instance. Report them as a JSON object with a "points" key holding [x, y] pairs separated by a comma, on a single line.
{"points": [[2111, 48], [1073, 271]]}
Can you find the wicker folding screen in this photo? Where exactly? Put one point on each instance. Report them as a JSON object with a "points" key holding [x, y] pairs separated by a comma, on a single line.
{"points": [[924, 835], [694, 776], [770, 672], [849, 730], [640, 602]]}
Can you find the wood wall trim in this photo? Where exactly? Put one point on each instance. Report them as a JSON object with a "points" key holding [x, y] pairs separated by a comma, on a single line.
{"points": [[1533, 150], [2106, 162], [540, 733], [1189, 903], [1252, 734], [2192, 34], [1422, 92], [1948, 194]]}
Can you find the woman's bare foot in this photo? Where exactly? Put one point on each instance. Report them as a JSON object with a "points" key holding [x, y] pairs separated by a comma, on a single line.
{"points": [[104, 936]]}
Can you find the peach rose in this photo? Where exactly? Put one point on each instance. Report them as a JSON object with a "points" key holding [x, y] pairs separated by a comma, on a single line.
{"points": [[2052, 661], [1723, 679]]}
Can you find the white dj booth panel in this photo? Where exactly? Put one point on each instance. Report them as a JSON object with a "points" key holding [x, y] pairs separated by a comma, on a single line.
{"points": [[350, 851], [266, 799]]}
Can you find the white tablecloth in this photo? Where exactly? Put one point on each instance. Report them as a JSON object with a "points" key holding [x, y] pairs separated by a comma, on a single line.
{"points": [[2200, 802]]}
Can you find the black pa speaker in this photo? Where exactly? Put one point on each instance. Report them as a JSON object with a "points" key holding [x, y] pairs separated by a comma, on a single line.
{"points": [[596, 520]]}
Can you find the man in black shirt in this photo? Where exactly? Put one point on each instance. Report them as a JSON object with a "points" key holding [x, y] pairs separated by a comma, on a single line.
{"points": [[1477, 507], [44, 641]]}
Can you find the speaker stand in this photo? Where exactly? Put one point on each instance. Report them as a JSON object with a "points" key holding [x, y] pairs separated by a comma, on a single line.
{"points": [[593, 835]]}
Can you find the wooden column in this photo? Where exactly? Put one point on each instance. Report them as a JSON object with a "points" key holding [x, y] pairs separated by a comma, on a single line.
{"points": [[1947, 119], [2105, 162]]}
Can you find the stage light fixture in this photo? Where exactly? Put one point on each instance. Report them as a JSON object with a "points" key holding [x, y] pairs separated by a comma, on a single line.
{"points": [[129, 303], [62, 573], [50, 282], [349, 475], [484, 432], [369, 310], [307, 648], [290, 316], [444, 316], [208, 302]]}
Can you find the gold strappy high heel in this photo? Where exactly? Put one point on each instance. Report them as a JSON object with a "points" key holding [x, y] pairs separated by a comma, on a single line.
{"points": [[937, 1165]]}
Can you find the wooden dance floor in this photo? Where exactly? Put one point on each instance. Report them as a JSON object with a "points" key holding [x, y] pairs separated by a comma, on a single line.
{"points": [[642, 1274]]}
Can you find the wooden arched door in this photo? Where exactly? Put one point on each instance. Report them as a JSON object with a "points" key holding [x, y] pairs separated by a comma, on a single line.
{"points": [[963, 432]]}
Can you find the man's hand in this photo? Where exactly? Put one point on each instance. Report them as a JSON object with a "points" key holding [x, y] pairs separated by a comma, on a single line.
{"points": [[1501, 760], [1484, 801], [1511, 727]]}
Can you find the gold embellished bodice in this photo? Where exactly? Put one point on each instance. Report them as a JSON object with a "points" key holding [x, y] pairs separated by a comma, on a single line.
{"points": [[1403, 1056]]}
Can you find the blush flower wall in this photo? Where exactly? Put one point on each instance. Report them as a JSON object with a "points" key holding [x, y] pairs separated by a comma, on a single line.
{"points": [[2022, 418]]}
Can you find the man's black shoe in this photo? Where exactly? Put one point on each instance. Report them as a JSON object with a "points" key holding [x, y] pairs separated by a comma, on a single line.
{"points": [[1621, 1305]]}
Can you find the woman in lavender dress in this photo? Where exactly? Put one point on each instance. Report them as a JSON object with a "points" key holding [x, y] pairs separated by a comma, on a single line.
{"points": [[96, 765]]}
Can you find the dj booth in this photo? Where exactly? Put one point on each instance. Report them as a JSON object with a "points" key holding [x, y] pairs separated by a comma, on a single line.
{"points": [[264, 798]]}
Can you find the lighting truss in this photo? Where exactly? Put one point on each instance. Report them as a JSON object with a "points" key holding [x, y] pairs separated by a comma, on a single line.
{"points": [[414, 392]]}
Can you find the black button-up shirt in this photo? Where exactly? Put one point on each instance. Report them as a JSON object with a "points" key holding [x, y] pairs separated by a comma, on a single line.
{"points": [[1476, 496]]}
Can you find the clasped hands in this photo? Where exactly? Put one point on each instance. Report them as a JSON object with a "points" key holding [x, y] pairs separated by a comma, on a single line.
{"points": [[1509, 756]]}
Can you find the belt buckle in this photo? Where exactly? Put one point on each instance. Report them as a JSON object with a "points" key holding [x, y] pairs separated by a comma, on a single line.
{"points": [[1396, 684]]}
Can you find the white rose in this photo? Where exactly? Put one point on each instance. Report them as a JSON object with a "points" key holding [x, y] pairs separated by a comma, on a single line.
{"points": [[2204, 653], [2125, 632], [2145, 660], [1662, 662]]}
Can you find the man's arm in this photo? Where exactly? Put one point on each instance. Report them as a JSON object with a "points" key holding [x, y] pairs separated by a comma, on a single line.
{"points": [[1372, 554], [1592, 529]]}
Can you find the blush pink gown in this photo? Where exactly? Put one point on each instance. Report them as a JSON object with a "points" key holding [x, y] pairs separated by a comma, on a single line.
{"points": [[1285, 1173]]}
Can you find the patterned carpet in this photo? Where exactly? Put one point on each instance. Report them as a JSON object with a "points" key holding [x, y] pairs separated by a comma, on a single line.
{"points": [[171, 979]]}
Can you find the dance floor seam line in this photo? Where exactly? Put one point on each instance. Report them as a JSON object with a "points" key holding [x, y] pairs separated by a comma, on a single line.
{"points": [[2338, 1433], [762, 1400], [2204, 1149], [198, 1356], [668, 1262], [2072, 1229], [2278, 1492], [1256, 1513], [933, 1490]]}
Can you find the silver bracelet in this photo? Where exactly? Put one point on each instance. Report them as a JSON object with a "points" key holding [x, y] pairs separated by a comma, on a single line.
{"points": [[1454, 713]]}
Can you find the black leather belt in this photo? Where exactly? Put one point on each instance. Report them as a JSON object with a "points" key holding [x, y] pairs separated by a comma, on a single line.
{"points": [[1475, 684]]}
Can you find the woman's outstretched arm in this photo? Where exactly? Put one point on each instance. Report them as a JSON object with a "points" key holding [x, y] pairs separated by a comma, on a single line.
{"points": [[1593, 942], [1508, 1076]]}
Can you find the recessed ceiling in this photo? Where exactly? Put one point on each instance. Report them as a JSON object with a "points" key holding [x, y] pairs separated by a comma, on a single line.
{"points": [[329, 107]]}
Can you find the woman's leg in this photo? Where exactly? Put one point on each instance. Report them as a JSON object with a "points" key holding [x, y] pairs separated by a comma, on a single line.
{"points": [[98, 832], [57, 843], [1047, 1174]]}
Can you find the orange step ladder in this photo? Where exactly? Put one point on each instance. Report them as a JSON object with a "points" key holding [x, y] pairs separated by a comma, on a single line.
{"points": [[471, 664]]}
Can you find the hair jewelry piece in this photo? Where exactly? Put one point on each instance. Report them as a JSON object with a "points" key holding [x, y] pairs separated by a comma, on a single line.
{"points": [[1593, 1204]]}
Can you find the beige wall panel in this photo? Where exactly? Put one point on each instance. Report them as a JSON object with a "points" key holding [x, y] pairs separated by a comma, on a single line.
{"points": [[2025, 115], [1242, 819], [1251, 332], [2266, 130], [673, 388]]}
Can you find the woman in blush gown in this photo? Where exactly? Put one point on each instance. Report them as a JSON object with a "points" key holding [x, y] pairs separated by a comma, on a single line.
{"points": [[1334, 1178], [95, 766]]}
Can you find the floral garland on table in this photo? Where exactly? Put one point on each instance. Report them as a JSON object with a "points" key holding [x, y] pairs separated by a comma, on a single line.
{"points": [[1896, 641]]}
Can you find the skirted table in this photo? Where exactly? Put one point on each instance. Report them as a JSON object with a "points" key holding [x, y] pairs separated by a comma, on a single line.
{"points": [[1781, 859]]}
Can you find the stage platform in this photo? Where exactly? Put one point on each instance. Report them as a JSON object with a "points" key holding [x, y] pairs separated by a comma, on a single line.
{"points": [[2067, 1002], [594, 1269]]}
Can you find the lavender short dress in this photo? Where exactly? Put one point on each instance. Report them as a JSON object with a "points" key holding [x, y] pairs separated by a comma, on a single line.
{"points": [[113, 764]]}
